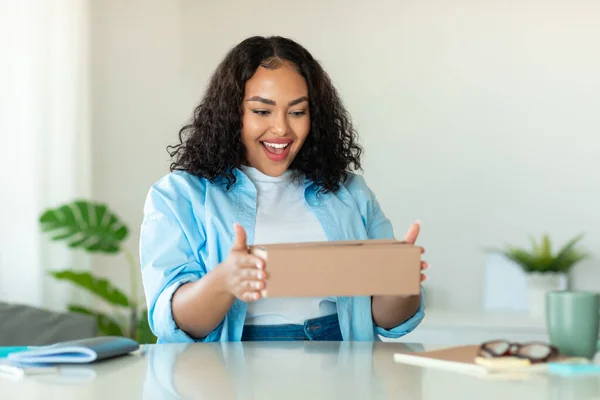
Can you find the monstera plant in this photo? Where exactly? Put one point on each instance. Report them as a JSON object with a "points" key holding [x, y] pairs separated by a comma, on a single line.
{"points": [[94, 228]]}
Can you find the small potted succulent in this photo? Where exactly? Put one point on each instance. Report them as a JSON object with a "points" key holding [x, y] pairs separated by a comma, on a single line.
{"points": [[546, 270]]}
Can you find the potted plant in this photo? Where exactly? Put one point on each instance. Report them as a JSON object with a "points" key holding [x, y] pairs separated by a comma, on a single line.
{"points": [[546, 271], [94, 228]]}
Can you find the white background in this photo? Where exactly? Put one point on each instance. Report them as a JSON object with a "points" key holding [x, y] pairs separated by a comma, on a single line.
{"points": [[480, 118]]}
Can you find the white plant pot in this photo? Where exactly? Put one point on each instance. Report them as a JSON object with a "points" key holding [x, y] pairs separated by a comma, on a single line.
{"points": [[538, 284]]}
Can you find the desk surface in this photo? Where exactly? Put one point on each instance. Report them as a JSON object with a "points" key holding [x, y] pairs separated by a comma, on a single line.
{"points": [[276, 370]]}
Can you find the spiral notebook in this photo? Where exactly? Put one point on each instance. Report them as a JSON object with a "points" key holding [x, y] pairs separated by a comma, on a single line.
{"points": [[80, 351]]}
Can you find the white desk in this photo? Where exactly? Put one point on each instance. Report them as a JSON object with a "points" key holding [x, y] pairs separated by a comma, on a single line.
{"points": [[297, 370]]}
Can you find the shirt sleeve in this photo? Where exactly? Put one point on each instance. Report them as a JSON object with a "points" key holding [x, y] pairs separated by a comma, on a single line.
{"points": [[380, 227], [408, 325], [168, 261]]}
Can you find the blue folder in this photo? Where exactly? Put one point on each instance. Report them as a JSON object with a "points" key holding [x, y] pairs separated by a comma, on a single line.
{"points": [[72, 352]]}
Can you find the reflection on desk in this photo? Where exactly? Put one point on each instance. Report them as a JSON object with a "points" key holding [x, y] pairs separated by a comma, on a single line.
{"points": [[280, 370], [283, 370]]}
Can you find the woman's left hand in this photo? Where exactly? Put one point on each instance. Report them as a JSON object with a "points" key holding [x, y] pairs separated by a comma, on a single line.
{"points": [[411, 237]]}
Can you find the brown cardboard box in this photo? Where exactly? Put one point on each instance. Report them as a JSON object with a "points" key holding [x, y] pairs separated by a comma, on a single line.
{"points": [[341, 268]]}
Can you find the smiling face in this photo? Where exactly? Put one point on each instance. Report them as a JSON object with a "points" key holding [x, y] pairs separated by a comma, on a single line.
{"points": [[276, 119]]}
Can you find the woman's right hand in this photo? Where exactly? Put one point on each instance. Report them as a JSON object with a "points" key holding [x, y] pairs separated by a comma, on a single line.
{"points": [[245, 274]]}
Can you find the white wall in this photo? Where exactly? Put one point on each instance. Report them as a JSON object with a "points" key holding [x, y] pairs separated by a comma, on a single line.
{"points": [[484, 114], [44, 138]]}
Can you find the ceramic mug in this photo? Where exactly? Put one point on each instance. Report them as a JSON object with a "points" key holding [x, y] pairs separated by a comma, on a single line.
{"points": [[573, 322]]}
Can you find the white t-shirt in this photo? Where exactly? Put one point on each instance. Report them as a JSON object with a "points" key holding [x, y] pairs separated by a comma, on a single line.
{"points": [[284, 217]]}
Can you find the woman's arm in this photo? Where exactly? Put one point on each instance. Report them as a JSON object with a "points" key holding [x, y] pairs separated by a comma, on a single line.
{"points": [[200, 306], [391, 311], [187, 300]]}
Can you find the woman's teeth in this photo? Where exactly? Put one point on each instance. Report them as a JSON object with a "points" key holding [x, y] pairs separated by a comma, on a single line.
{"points": [[275, 148], [276, 145]]}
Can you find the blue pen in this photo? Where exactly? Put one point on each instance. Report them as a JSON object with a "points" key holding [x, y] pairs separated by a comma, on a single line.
{"points": [[573, 368], [6, 350]]}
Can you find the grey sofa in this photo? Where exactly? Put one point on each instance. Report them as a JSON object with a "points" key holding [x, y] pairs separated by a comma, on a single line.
{"points": [[23, 325]]}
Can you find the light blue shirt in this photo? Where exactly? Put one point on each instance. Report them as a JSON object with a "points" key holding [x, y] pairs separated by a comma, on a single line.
{"points": [[188, 230]]}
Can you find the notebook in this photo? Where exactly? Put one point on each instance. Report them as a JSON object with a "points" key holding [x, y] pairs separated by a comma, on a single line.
{"points": [[80, 351], [462, 359]]}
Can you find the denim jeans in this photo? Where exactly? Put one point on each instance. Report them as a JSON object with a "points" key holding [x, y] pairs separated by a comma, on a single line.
{"points": [[325, 328]]}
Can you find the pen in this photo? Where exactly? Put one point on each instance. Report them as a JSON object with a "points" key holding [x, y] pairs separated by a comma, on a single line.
{"points": [[573, 369], [17, 372], [6, 350]]}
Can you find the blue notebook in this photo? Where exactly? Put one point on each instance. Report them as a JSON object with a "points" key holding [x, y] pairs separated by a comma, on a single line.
{"points": [[74, 352]]}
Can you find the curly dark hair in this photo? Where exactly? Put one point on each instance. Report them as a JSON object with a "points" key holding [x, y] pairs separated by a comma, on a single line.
{"points": [[210, 146]]}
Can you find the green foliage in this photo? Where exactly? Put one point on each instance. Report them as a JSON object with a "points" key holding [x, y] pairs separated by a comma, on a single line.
{"points": [[541, 258], [100, 287], [145, 334], [106, 325], [94, 228], [85, 225]]}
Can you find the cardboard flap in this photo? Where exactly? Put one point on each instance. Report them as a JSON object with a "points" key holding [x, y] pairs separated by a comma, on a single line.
{"points": [[334, 243]]}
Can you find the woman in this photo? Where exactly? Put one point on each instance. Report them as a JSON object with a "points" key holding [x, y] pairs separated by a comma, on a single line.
{"points": [[266, 158]]}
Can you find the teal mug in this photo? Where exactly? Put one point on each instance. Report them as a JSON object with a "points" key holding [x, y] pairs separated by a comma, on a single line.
{"points": [[573, 322]]}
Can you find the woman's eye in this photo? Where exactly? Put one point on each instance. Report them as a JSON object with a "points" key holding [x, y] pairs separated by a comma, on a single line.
{"points": [[264, 113]]}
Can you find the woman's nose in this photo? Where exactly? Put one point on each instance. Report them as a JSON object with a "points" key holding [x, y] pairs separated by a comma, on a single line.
{"points": [[280, 125]]}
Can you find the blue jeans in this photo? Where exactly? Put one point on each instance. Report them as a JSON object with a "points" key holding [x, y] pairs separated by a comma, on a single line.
{"points": [[322, 329]]}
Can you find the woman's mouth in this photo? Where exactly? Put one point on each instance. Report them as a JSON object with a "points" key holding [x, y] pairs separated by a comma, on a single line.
{"points": [[276, 151]]}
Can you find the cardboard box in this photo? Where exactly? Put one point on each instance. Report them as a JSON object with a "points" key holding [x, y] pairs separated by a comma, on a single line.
{"points": [[341, 268]]}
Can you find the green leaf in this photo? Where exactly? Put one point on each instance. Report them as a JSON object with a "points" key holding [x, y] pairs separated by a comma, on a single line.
{"points": [[144, 333], [535, 247], [569, 255], [541, 258], [546, 250], [521, 257], [85, 225], [568, 248], [99, 286], [106, 325]]}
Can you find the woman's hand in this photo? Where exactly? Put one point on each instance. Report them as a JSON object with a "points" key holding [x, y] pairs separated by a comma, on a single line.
{"points": [[245, 274], [391, 311], [199, 306], [411, 237]]}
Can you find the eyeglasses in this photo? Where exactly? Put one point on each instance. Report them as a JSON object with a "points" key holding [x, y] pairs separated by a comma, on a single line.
{"points": [[535, 352]]}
